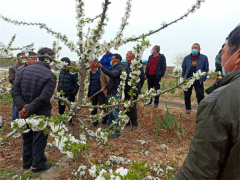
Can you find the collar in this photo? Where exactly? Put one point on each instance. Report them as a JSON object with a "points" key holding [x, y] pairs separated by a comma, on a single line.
{"points": [[43, 64], [224, 81], [95, 71]]}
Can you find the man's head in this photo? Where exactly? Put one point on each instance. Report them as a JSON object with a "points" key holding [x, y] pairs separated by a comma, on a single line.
{"points": [[66, 60], [44, 51], [116, 58], [107, 52], [231, 52], [156, 49], [33, 59], [93, 63], [195, 49], [130, 56], [19, 55]]}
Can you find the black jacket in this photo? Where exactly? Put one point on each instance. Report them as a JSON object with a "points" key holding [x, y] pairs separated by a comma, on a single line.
{"points": [[114, 78], [139, 84], [68, 83], [34, 85], [161, 66]]}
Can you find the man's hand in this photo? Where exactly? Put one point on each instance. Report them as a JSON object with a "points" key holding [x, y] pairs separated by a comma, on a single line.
{"points": [[23, 112], [104, 89], [99, 65]]}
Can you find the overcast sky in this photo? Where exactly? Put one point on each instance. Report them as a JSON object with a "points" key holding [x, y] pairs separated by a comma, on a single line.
{"points": [[208, 26]]}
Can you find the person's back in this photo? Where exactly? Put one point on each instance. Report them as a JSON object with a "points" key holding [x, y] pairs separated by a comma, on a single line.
{"points": [[35, 80], [68, 82], [32, 91]]}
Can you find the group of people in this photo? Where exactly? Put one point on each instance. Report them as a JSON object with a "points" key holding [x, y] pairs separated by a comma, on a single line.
{"points": [[214, 150]]}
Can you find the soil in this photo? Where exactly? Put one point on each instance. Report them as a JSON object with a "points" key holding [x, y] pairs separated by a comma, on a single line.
{"points": [[125, 146]]}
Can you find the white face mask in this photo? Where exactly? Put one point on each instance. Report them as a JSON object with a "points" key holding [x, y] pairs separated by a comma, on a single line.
{"points": [[223, 68]]}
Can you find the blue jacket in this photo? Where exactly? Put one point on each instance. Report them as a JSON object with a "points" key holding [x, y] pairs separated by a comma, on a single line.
{"points": [[105, 61], [202, 64]]}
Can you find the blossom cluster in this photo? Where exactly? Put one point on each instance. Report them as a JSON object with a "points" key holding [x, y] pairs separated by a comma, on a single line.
{"points": [[81, 171], [64, 141], [121, 87], [4, 88]]}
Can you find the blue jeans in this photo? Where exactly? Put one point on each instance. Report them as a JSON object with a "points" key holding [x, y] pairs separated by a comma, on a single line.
{"points": [[14, 112], [114, 114]]}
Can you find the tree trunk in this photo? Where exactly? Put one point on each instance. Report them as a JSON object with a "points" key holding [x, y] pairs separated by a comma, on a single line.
{"points": [[76, 123]]}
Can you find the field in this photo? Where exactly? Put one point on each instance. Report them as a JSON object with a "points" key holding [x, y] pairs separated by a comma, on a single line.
{"points": [[125, 146]]}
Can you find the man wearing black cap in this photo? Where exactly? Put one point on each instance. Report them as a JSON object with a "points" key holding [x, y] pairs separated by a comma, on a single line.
{"points": [[32, 90], [68, 84]]}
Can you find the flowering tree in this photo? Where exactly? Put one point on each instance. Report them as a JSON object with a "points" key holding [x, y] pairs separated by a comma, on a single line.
{"points": [[87, 47]]}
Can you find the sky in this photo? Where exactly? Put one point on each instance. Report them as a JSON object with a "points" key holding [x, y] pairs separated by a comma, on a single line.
{"points": [[209, 26]]}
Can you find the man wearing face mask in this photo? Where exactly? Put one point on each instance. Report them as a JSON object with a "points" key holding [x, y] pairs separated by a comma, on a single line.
{"points": [[191, 64], [155, 70], [114, 74], [214, 150]]}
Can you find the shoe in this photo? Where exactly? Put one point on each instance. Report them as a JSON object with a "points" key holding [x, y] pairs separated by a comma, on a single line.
{"points": [[188, 111], [134, 128], [41, 170], [95, 123], [26, 168], [155, 105], [148, 104], [114, 136]]}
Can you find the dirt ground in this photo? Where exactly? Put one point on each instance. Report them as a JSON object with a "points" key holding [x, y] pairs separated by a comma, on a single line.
{"points": [[125, 146]]}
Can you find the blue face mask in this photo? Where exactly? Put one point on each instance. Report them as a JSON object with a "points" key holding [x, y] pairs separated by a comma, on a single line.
{"points": [[223, 68], [152, 52], [194, 51], [114, 64]]}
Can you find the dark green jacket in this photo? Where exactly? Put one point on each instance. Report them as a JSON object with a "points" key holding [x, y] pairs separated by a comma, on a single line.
{"points": [[215, 148]]}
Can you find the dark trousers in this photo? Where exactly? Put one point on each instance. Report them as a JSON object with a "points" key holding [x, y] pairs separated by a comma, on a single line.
{"points": [[199, 89], [99, 99], [34, 144], [132, 113], [153, 83], [61, 108]]}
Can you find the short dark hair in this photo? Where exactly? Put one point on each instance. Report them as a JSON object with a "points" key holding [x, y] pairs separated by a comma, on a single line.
{"points": [[197, 44], [118, 56], [157, 47], [19, 54], [31, 53], [234, 40], [43, 51], [67, 60]]}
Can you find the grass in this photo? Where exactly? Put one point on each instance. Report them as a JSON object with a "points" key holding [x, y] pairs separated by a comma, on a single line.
{"points": [[6, 99], [168, 123], [7, 127], [7, 173]]}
